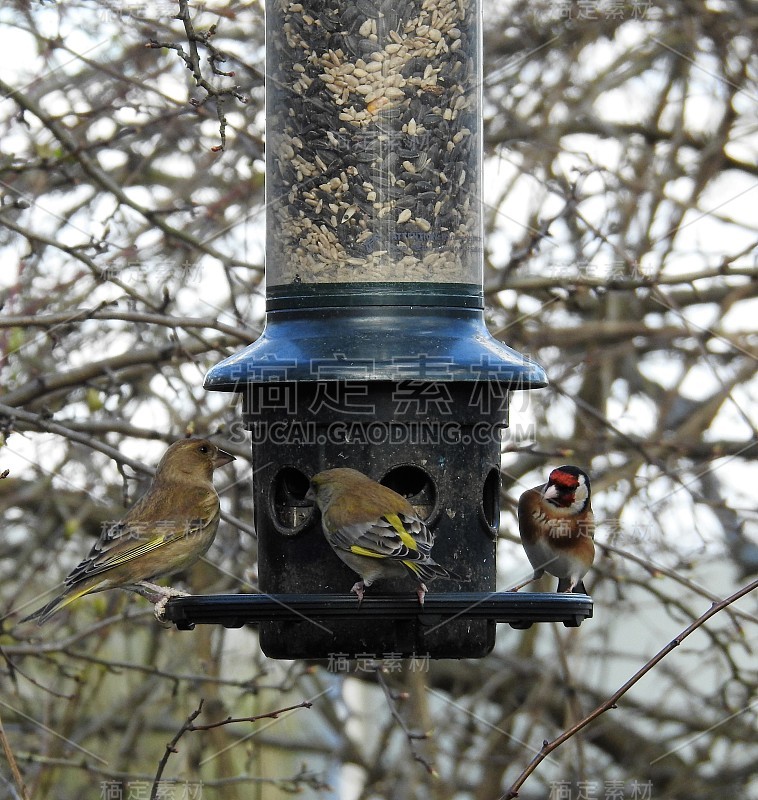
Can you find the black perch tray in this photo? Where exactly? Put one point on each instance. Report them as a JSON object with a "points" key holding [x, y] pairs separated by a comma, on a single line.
{"points": [[519, 609]]}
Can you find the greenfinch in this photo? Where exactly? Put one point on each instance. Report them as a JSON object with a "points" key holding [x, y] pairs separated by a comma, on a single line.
{"points": [[373, 529], [165, 531]]}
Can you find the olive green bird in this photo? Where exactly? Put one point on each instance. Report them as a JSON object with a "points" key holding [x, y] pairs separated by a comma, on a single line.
{"points": [[166, 531], [374, 530]]}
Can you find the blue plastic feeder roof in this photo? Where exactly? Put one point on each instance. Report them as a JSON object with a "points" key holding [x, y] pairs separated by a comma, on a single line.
{"points": [[434, 333]]}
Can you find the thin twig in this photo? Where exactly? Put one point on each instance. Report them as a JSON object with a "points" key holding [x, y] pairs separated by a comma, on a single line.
{"points": [[171, 748], [189, 725], [103, 178], [410, 735], [232, 720], [659, 569], [15, 771], [41, 422], [192, 62], [548, 747], [109, 313]]}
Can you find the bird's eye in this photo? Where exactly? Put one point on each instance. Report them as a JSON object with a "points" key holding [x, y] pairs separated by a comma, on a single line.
{"points": [[203, 448]]}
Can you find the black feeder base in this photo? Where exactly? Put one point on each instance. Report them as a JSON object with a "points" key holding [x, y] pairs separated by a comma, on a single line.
{"points": [[399, 622]]}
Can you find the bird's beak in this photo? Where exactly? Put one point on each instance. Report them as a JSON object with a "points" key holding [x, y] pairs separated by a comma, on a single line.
{"points": [[222, 457], [310, 495], [550, 492]]}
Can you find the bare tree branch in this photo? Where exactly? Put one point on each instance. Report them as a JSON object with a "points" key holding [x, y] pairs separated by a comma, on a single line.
{"points": [[549, 747], [189, 725]]}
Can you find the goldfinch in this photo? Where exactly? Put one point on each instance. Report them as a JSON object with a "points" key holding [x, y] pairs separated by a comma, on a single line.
{"points": [[557, 528]]}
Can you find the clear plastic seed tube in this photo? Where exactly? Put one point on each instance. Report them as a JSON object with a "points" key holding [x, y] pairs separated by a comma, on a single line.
{"points": [[373, 137]]}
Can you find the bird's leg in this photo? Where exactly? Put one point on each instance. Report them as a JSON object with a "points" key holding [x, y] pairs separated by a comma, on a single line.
{"points": [[521, 585], [160, 608], [421, 591], [357, 589], [158, 595], [160, 605], [150, 591]]}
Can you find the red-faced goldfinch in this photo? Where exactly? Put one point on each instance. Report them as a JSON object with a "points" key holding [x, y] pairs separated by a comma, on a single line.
{"points": [[557, 528]]}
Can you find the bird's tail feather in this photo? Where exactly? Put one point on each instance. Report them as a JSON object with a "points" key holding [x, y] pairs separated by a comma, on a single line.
{"points": [[429, 570], [42, 615]]}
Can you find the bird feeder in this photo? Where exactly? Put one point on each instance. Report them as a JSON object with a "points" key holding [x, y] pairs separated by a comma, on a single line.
{"points": [[375, 353]]}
